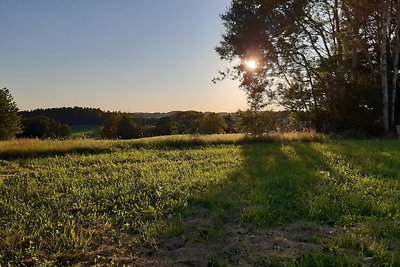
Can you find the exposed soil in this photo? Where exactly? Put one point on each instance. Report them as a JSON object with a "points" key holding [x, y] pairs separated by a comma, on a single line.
{"points": [[239, 246], [236, 245]]}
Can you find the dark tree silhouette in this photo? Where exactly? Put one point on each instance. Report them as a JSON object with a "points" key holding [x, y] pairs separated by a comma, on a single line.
{"points": [[332, 59], [44, 127], [69, 115], [10, 121], [121, 126], [212, 123]]}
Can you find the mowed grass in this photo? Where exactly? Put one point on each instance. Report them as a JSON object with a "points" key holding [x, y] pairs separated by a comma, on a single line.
{"points": [[119, 202]]}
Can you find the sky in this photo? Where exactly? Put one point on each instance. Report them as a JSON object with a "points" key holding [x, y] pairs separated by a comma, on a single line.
{"points": [[119, 55]]}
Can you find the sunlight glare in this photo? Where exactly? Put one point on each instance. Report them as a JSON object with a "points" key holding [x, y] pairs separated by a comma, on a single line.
{"points": [[251, 64]]}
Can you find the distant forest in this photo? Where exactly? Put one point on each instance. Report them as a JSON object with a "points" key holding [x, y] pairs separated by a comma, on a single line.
{"points": [[85, 116], [70, 116], [55, 122]]}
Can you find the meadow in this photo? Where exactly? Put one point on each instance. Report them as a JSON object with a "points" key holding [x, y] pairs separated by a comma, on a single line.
{"points": [[220, 200], [85, 131]]}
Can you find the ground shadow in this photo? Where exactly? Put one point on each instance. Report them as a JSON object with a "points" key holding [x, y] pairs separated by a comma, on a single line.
{"points": [[261, 215], [48, 153], [283, 204], [287, 203]]}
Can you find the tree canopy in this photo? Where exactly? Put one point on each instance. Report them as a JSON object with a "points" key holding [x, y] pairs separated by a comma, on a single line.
{"points": [[336, 60], [127, 126], [44, 127]]}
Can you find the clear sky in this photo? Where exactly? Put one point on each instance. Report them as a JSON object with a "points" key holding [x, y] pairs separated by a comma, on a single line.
{"points": [[127, 55]]}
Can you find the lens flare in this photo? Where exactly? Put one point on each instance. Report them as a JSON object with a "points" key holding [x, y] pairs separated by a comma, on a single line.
{"points": [[251, 64]]}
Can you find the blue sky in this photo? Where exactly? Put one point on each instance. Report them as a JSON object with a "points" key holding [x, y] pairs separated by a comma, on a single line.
{"points": [[127, 55]]}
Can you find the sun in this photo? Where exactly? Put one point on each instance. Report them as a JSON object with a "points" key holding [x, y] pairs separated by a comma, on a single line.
{"points": [[251, 64]]}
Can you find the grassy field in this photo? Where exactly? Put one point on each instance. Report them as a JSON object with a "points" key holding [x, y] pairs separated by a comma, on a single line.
{"points": [[284, 200], [86, 131]]}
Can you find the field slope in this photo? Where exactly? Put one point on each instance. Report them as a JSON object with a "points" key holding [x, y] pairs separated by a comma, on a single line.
{"points": [[200, 201]]}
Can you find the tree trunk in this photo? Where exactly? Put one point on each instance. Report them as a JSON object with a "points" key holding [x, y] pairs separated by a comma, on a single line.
{"points": [[383, 66], [395, 65], [338, 42]]}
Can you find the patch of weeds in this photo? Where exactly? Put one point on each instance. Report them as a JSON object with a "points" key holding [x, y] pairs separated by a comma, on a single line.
{"points": [[277, 261], [377, 250], [325, 259], [174, 230]]}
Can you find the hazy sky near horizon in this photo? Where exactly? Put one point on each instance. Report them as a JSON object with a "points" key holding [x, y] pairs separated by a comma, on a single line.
{"points": [[127, 55]]}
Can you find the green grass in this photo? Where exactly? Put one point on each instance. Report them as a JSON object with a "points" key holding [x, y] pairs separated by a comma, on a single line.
{"points": [[86, 131], [88, 201]]}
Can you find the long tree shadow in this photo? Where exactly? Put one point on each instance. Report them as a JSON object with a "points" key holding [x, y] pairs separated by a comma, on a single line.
{"points": [[48, 153], [352, 194], [335, 199], [286, 200], [377, 159], [262, 211], [366, 181]]}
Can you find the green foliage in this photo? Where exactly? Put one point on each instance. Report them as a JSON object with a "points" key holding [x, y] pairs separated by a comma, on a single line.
{"points": [[193, 122], [212, 123], [125, 126], [166, 126], [188, 122], [256, 122], [121, 126], [10, 121], [44, 127], [332, 76]]}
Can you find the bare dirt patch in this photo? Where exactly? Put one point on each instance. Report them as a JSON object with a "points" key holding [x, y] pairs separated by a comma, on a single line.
{"points": [[205, 243], [238, 246]]}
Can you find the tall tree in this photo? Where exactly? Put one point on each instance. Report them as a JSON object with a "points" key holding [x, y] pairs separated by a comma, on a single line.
{"points": [[396, 52], [317, 55], [376, 26], [10, 121], [290, 40], [383, 63]]}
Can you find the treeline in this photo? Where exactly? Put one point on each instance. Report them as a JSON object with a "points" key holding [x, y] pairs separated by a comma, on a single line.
{"points": [[85, 116], [118, 125], [56, 122], [125, 126], [69, 115]]}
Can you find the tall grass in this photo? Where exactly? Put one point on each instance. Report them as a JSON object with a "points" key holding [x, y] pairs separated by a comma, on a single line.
{"points": [[214, 139]]}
